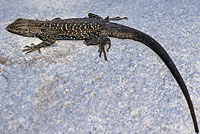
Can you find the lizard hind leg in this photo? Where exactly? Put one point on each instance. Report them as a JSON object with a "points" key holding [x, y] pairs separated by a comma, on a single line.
{"points": [[101, 42], [115, 18], [94, 16], [97, 17]]}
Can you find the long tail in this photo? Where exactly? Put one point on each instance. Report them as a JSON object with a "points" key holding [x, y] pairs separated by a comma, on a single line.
{"points": [[124, 32]]}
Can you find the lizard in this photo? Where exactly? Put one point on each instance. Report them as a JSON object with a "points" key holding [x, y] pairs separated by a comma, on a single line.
{"points": [[94, 30]]}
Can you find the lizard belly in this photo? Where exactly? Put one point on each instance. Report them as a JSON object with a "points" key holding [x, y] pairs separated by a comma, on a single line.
{"points": [[64, 37]]}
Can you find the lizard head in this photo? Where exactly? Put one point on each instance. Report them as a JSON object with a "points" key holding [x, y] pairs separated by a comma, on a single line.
{"points": [[24, 27]]}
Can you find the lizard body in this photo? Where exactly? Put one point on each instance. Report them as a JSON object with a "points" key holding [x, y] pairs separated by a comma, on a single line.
{"points": [[94, 30]]}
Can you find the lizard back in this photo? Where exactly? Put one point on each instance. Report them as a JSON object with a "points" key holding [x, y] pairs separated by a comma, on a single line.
{"points": [[73, 29]]}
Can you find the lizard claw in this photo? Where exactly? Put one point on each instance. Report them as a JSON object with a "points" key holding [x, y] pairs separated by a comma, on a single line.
{"points": [[102, 50], [29, 49], [109, 46]]}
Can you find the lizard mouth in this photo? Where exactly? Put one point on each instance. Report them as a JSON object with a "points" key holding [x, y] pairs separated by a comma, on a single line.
{"points": [[10, 29], [7, 28], [13, 29]]}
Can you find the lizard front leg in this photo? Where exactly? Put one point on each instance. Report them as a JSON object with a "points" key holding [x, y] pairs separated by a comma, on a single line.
{"points": [[33, 47], [101, 42]]}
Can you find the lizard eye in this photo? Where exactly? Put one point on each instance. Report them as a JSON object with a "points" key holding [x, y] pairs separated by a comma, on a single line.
{"points": [[27, 30]]}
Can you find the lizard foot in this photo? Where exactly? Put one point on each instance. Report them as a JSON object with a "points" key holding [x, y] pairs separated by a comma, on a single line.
{"points": [[101, 42], [102, 50], [115, 18], [30, 49]]}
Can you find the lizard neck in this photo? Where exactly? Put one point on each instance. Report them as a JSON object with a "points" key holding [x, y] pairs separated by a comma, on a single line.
{"points": [[35, 26]]}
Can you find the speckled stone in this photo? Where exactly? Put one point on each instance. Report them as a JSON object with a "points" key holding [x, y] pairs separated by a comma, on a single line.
{"points": [[68, 89]]}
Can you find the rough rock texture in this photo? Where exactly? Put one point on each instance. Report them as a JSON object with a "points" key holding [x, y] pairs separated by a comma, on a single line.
{"points": [[68, 89]]}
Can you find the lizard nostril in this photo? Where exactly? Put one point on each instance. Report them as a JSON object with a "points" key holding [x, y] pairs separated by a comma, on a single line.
{"points": [[6, 28]]}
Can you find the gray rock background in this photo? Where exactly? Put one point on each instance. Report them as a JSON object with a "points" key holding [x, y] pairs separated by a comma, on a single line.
{"points": [[68, 89]]}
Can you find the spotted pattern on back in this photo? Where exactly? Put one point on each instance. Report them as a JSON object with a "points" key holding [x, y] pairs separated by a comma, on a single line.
{"points": [[73, 30]]}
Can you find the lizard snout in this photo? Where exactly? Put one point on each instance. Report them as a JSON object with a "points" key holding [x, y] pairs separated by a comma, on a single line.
{"points": [[8, 28]]}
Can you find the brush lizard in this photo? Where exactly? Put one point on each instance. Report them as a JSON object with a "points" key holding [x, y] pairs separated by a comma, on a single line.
{"points": [[94, 30]]}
